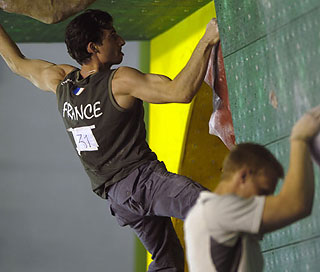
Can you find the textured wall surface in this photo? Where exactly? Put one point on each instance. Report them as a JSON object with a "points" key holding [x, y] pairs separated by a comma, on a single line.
{"points": [[272, 62]]}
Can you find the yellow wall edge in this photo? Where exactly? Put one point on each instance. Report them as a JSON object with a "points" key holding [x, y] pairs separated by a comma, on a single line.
{"points": [[169, 53]]}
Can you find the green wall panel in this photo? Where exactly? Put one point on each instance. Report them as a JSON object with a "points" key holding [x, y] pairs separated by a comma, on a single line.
{"points": [[133, 19], [301, 257], [275, 79], [249, 20], [272, 62]]}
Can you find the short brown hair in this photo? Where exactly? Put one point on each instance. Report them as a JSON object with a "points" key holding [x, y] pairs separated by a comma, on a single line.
{"points": [[252, 155], [86, 27]]}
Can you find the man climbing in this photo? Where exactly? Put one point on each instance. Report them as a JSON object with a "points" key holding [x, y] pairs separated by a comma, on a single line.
{"points": [[103, 114]]}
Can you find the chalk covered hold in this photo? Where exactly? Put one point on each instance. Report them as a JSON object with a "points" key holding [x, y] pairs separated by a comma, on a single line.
{"points": [[220, 123]]}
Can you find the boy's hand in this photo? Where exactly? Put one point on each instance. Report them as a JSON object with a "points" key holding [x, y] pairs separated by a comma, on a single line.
{"points": [[307, 126]]}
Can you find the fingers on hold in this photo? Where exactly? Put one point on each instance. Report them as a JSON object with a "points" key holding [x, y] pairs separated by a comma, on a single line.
{"points": [[214, 21]]}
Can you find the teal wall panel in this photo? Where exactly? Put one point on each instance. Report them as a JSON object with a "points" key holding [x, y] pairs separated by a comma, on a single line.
{"points": [[272, 61], [300, 257], [274, 77], [246, 21]]}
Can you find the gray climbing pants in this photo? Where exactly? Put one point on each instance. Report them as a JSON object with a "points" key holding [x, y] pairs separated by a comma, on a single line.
{"points": [[145, 200]]}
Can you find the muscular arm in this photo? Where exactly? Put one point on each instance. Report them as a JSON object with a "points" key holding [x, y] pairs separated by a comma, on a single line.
{"points": [[295, 199], [129, 83], [46, 11], [44, 75]]}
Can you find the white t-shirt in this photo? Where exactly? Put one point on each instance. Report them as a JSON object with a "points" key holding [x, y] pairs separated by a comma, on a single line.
{"points": [[221, 233]]}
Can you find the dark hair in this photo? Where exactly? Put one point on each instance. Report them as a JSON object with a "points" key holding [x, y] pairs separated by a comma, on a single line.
{"points": [[253, 155], [86, 27]]}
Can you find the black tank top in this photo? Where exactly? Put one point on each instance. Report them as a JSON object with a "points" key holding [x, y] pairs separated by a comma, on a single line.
{"points": [[110, 140]]}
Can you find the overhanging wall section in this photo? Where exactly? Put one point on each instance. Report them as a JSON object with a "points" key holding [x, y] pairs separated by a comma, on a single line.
{"points": [[272, 62]]}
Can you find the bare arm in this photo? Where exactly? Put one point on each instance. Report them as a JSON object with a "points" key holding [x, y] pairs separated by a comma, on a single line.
{"points": [[44, 75], [129, 83], [295, 199], [46, 11]]}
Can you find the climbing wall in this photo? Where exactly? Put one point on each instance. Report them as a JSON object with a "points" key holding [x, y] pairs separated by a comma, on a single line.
{"points": [[272, 61]]}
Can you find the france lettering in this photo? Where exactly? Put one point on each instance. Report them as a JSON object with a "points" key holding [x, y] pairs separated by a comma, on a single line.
{"points": [[82, 112]]}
